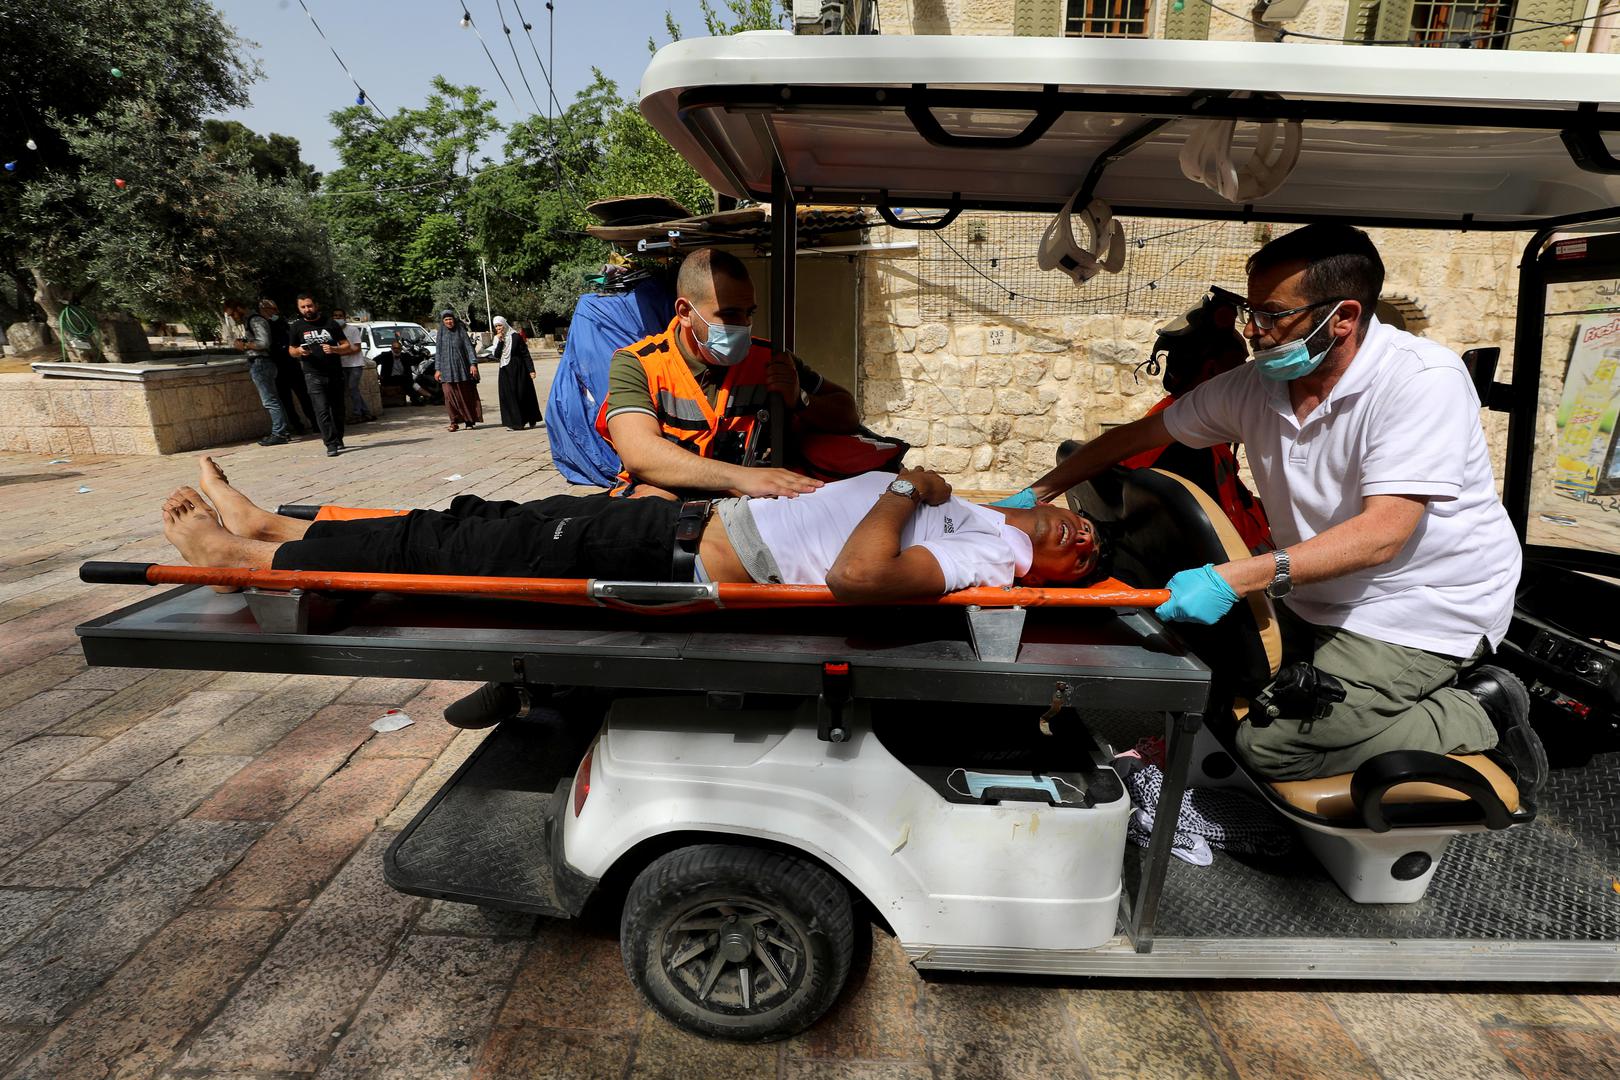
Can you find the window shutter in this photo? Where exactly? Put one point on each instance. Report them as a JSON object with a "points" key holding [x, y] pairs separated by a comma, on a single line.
{"points": [[1544, 38], [1191, 23], [1392, 20], [1038, 18]]}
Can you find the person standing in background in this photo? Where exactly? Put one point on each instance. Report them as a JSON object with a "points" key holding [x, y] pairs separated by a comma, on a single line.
{"points": [[289, 376], [520, 407], [319, 344], [254, 340], [354, 368], [458, 372]]}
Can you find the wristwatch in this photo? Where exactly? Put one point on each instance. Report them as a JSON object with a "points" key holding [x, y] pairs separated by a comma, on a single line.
{"points": [[1281, 583], [904, 488]]}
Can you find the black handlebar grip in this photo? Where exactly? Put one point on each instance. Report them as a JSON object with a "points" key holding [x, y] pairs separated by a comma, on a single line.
{"points": [[115, 573], [301, 511]]}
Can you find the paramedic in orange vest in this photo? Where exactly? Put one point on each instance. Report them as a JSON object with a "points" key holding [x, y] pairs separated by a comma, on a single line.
{"points": [[682, 404]]}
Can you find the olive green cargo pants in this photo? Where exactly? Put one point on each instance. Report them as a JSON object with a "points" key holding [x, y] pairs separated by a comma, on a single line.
{"points": [[1396, 698]]}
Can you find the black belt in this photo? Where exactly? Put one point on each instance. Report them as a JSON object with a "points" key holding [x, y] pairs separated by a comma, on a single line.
{"points": [[689, 525]]}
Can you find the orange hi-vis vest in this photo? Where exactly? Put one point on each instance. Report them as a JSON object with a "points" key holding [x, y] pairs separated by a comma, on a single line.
{"points": [[684, 414]]}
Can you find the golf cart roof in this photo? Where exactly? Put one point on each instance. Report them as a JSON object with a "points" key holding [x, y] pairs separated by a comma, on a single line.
{"points": [[1440, 138]]}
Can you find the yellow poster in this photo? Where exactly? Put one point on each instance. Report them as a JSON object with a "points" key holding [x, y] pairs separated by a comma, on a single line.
{"points": [[1588, 451]]}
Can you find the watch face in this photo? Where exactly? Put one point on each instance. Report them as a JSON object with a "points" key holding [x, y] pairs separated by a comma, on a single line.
{"points": [[903, 487]]}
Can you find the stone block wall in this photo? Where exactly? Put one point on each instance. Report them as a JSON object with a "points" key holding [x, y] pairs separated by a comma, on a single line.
{"points": [[151, 410], [986, 400]]}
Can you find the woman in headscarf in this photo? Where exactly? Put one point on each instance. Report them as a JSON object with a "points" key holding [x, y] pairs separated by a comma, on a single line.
{"points": [[520, 407], [457, 372]]}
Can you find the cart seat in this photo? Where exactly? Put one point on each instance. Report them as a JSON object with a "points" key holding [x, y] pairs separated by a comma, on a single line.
{"points": [[1381, 830]]}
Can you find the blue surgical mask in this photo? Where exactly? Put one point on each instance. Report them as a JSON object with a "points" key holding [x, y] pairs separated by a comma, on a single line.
{"points": [[726, 346], [1294, 359]]}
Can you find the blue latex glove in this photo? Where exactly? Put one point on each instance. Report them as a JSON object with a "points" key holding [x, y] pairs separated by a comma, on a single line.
{"points": [[1024, 500], [1198, 596]]}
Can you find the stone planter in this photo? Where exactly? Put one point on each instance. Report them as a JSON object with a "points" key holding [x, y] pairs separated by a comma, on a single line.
{"points": [[136, 408]]}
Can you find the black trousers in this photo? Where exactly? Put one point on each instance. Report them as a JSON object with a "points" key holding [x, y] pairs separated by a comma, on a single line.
{"points": [[289, 388], [564, 536], [327, 391]]}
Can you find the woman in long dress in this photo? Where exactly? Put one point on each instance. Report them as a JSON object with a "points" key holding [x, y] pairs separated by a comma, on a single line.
{"points": [[520, 407], [457, 372]]}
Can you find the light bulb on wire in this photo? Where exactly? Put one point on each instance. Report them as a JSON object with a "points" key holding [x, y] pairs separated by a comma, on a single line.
{"points": [[31, 144], [466, 19]]}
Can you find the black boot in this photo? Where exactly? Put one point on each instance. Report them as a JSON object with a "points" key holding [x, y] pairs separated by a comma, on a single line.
{"points": [[1507, 703]]}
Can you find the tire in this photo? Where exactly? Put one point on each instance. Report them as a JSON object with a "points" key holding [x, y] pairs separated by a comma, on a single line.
{"points": [[762, 986]]}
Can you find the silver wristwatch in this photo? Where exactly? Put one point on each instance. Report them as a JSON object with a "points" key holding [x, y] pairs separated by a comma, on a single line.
{"points": [[903, 487], [1281, 583]]}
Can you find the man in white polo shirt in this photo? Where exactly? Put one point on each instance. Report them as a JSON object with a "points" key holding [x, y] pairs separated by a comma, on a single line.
{"points": [[1367, 451]]}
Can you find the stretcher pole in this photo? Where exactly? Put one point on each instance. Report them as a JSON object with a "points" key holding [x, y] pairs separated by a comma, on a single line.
{"points": [[784, 290], [653, 598]]}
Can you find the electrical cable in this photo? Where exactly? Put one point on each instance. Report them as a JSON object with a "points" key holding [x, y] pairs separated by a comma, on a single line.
{"points": [[545, 73], [360, 91], [507, 30], [467, 20]]}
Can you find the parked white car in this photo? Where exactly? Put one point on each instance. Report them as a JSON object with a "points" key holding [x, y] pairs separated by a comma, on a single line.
{"points": [[377, 338]]}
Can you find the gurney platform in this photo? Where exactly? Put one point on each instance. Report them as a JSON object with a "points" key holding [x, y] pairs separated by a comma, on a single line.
{"points": [[1092, 658]]}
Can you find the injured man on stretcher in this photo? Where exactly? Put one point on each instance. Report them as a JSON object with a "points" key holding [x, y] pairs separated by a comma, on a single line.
{"points": [[874, 538]]}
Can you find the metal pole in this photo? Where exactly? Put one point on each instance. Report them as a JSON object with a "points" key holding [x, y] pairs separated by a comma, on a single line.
{"points": [[489, 316], [784, 260]]}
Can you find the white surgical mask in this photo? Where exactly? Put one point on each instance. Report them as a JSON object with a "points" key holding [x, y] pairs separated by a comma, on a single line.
{"points": [[1294, 359], [725, 345]]}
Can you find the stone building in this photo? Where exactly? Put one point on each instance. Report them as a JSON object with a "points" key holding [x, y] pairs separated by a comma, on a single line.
{"points": [[984, 364]]}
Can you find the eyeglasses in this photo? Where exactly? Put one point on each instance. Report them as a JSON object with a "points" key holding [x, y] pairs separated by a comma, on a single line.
{"points": [[1266, 320]]}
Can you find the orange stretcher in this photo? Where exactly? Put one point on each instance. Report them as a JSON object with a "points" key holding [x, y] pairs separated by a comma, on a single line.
{"points": [[652, 597], [662, 597]]}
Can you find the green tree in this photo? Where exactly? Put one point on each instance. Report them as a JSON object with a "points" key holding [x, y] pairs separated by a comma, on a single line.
{"points": [[743, 15], [273, 158], [162, 242], [397, 173]]}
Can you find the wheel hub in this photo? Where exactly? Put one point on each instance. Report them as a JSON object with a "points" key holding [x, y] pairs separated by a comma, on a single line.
{"points": [[734, 956]]}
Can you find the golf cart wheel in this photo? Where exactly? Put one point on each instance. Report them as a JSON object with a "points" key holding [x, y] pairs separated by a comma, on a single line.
{"points": [[737, 943]]}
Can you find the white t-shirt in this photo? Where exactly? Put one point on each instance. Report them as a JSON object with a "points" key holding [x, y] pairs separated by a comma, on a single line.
{"points": [[1403, 420], [973, 544], [354, 359]]}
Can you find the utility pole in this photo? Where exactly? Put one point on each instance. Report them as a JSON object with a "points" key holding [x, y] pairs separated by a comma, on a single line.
{"points": [[489, 316]]}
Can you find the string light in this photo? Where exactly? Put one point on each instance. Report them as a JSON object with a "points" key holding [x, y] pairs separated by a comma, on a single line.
{"points": [[11, 166], [1179, 6], [360, 98], [1569, 40], [120, 183], [466, 19], [31, 144], [117, 73]]}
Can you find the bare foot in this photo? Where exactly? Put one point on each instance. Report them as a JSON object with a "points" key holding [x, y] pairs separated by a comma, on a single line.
{"points": [[237, 512], [189, 525]]}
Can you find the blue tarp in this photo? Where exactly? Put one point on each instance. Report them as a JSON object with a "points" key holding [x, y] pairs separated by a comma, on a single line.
{"points": [[602, 325]]}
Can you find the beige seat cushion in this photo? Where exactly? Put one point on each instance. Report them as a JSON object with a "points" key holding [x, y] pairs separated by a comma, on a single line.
{"points": [[1329, 796]]}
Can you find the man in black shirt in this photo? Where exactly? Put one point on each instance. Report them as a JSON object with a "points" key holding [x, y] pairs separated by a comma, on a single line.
{"points": [[289, 374], [317, 342]]}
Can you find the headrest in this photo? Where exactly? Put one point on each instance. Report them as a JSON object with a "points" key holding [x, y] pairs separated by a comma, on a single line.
{"points": [[1206, 158], [1165, 523], [1061, 251]]}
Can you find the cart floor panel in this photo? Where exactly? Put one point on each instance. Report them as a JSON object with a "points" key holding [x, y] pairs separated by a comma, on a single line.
{"points": [[485, 837], [1551, 880]]}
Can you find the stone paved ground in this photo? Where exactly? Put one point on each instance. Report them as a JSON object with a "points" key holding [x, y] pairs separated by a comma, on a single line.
{"points": [[190, 873]]}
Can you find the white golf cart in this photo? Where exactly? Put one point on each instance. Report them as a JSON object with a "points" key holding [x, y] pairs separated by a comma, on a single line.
{"points": [[751, 787]]}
